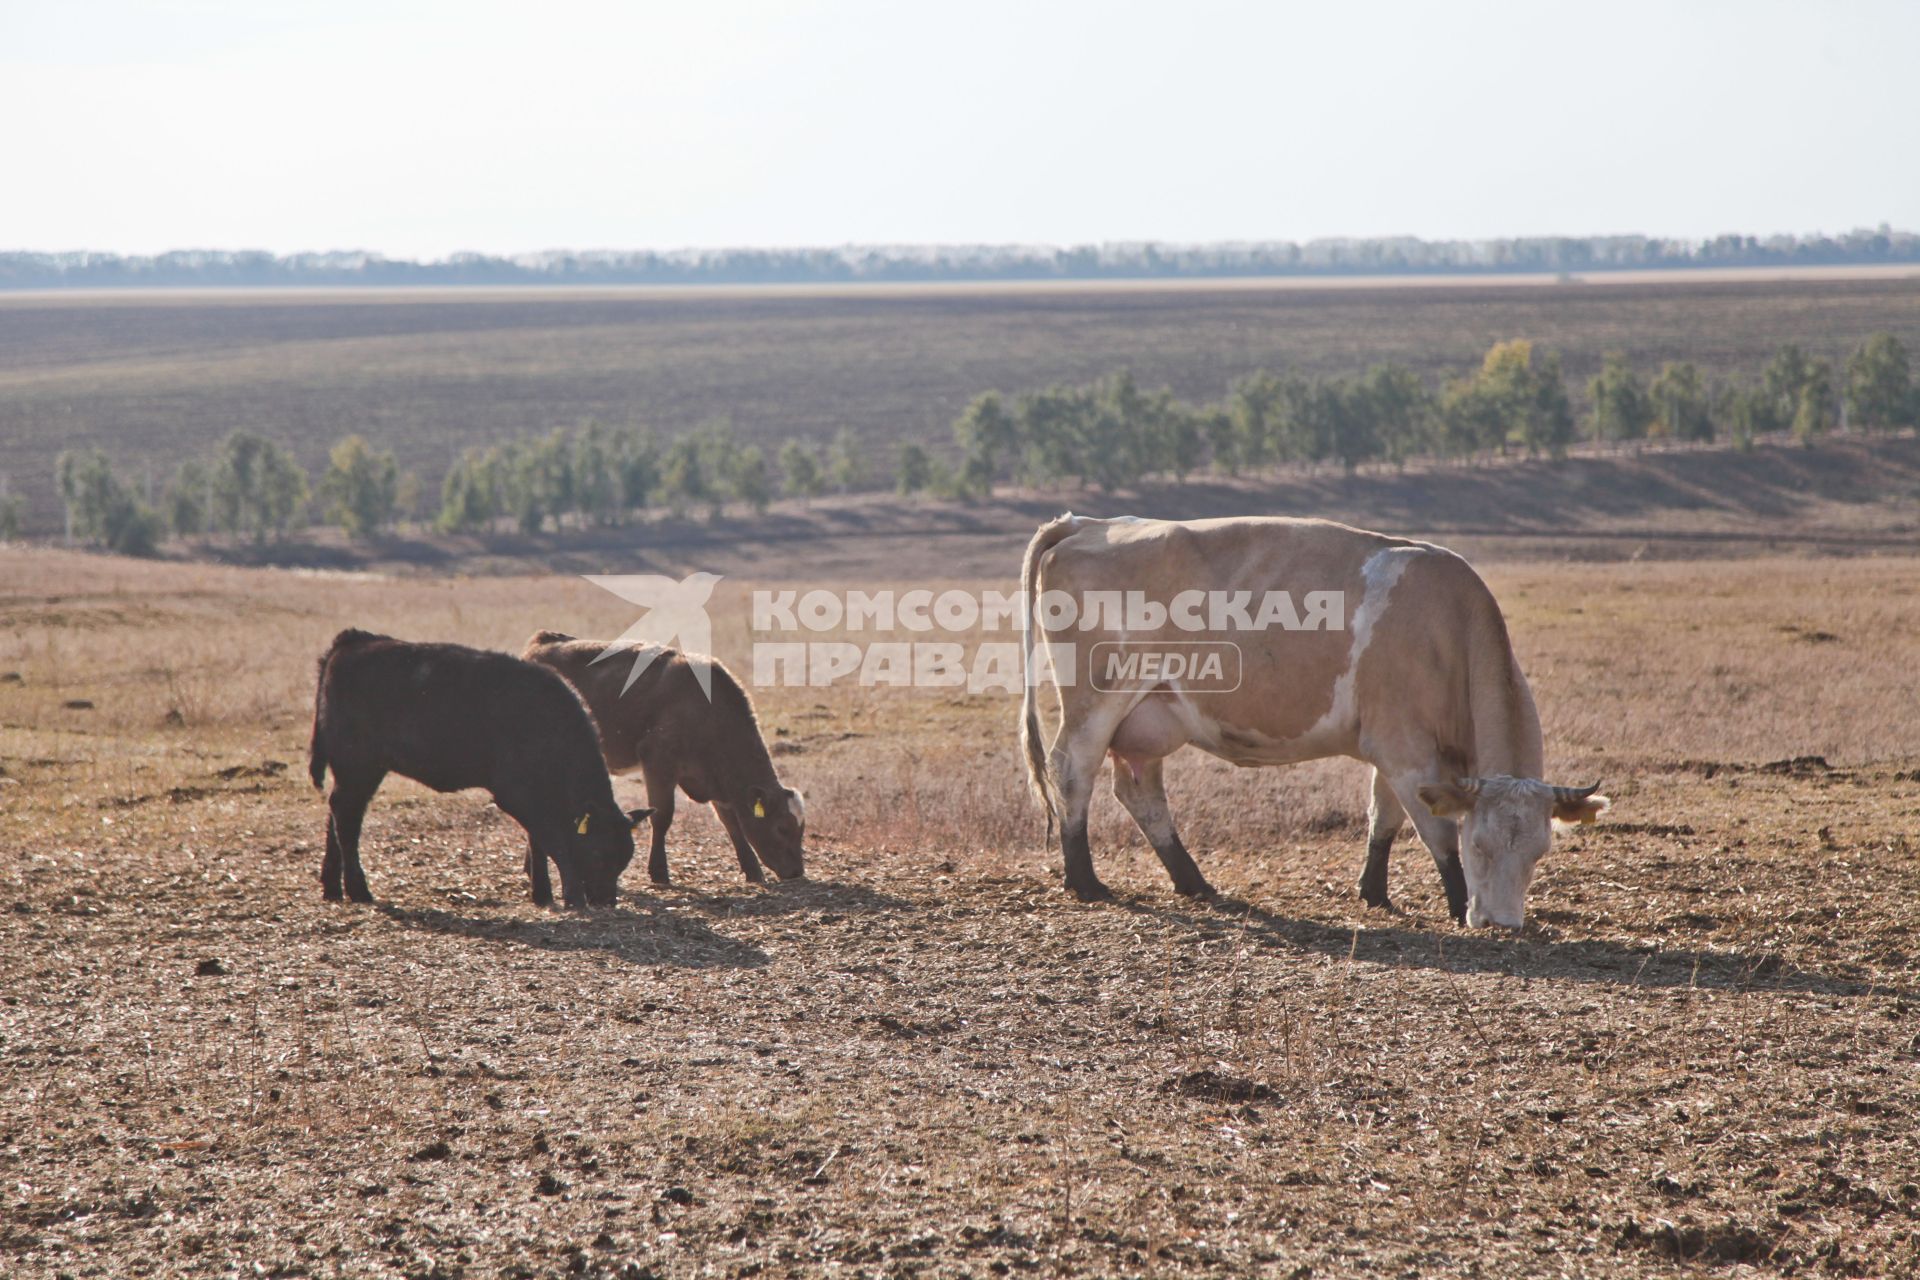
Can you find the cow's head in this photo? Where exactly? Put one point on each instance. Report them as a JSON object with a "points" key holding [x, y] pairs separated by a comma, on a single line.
{"points": [[774, 820], [1506, 827], [602, 846]]}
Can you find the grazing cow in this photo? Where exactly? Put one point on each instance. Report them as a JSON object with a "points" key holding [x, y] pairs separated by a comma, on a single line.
{"points": [[1402, 661], [667, 727], [453, 718]]}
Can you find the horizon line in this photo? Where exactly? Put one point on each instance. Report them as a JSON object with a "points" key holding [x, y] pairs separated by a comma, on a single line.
{"points": [[1135, 244]]}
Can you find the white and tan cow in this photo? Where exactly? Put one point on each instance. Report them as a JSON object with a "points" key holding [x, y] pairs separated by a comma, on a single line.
{"points": [[1345, 643]]}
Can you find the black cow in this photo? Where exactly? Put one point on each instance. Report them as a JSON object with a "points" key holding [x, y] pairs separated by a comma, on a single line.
{"points": [[453, 718]]}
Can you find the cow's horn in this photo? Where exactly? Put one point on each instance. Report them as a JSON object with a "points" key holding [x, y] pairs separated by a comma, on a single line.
{"points": [[1573, 795]]}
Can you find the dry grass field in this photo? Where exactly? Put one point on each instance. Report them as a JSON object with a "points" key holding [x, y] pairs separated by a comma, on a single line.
{"points": [[153, 378], [1702, 1057]]}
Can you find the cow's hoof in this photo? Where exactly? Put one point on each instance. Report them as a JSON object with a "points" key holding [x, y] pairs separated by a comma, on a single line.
{"points": [[660, 880], [1091, 891], [332, 895], [361, 896], [1203, 891], [1379, 902]]}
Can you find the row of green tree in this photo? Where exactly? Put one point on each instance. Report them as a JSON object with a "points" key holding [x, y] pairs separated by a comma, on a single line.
{"points": [[251, 487], [254, 487], [1110, 433], [601, 475]]}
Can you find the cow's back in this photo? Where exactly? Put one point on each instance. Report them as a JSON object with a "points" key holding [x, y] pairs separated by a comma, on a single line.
{"points": [[1161, 558], [653, 711], [446, 715], [664, 718]]}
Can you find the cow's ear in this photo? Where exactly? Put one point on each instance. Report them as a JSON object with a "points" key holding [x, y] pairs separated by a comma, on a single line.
{"points": [[1450, 799], [1579, 804], [637, 816]]}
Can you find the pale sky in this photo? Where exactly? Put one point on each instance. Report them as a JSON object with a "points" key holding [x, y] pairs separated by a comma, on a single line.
{"points": [[421, 129]]}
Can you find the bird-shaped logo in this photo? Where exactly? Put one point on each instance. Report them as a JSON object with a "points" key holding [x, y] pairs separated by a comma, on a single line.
{"points": [[675, 617]]}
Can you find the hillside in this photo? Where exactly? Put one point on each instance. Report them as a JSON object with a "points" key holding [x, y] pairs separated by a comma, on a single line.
{"points": [[155, 378], [1848, 497]]}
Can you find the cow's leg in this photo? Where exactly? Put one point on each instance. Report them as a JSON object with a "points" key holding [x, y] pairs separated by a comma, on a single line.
{"points": [[1076, 853], [347, 807], [1440, 835], [330, 864], [749, 860], [660, 792], [539, 882], [1142, 789], [1076, 766], [1385, 813], [543, 838]]}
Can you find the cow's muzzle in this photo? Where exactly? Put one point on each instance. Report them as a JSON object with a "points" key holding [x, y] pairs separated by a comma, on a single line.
{"points": [[1478, 918]]}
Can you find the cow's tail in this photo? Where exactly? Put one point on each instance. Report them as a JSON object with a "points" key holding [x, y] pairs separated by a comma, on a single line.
{"points": [[317, 762], [316, 745], [1039, 776]]}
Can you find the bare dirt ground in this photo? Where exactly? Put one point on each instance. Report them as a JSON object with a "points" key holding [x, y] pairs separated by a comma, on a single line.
{"points": [[1702, 1057]]}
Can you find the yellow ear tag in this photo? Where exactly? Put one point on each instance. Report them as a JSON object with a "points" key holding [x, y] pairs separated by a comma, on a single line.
{"points": [[759, 810], [580, 827]]}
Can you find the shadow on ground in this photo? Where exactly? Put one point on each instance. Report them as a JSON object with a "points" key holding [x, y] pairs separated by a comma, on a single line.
{"points": [[649, 933], [1524, 955], [796, 897]]}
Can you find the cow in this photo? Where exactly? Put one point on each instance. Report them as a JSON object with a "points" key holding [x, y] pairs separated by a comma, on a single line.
{"points": [[453, 718], [1402, 661], [667, 727]]}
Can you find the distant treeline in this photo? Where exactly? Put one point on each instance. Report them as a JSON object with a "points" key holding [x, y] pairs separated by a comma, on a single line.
{"points": [[1111, 434], [1395, 255]]}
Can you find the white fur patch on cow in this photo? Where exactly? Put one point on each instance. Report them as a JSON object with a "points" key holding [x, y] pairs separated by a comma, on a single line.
{"points": [[1378, 576], [797, 806]]}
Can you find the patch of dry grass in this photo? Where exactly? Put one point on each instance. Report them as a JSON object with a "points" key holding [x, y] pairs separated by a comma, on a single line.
{"points": [[927, 1060]]}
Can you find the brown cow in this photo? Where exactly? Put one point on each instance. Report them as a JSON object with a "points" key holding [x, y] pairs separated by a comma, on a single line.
{"points": [[666, 727]]}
